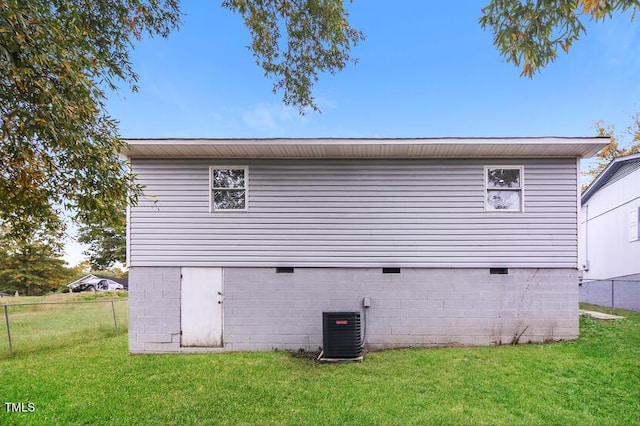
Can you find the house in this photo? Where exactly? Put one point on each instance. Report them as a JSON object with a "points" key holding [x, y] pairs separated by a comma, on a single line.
{"points": [[242, 244], [610, 253], [92, 282]]}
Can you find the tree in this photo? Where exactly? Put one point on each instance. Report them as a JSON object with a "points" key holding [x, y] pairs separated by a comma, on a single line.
{"points": [[530, 33], [59, 146], [33, 266], [295, 40], [107, 245], [623, 144]]}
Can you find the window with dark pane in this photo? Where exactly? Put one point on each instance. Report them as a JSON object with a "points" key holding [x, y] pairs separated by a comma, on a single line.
{"points": [[229, 188], [504, 189]]}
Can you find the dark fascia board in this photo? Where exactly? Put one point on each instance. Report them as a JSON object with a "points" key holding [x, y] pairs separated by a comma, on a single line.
{"points": [[606, 174]]}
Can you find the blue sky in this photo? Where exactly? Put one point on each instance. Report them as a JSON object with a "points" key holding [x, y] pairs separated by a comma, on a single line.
{"points": [[426, 69]]}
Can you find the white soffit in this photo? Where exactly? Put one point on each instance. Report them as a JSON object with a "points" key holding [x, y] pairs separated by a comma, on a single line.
{"points": [[365, 148]]}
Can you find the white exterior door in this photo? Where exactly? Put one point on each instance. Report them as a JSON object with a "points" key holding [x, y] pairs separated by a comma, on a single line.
{"points": [[201, 307]]}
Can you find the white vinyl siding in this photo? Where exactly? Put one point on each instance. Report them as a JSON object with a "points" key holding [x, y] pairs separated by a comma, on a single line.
{"points": [[611, 245], [356, 213]]}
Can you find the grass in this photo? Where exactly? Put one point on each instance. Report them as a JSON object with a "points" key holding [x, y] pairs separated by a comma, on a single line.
{"points": [[52, 323], [592, 381]]}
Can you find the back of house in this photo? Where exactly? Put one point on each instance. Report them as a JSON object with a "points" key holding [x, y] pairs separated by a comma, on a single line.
{"points": [[242, 244]]}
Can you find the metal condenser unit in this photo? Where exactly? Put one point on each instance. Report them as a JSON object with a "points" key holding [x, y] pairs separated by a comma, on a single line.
{"points": [[341, 336]]}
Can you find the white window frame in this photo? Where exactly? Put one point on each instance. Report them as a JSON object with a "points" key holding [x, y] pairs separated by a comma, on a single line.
{"points": [[634, 225], [212, 208], [520, 209]]}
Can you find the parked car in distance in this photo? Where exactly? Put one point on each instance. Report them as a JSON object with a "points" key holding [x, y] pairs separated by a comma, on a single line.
{"points": [[3, 294], [97, 284]]}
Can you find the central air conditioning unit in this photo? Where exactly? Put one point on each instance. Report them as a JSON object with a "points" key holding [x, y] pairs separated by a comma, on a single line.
{"points": [[341, 336]]}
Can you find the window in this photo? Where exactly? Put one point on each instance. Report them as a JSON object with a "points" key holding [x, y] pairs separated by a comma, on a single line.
{"points": [[503, 187], [634, 229], [229, 188]]}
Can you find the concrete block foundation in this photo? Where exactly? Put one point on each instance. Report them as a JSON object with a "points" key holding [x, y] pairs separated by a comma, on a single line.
{"points": [[265, 310]]}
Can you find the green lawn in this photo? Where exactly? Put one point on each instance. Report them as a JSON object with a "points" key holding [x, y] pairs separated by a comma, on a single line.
{"points": [[50, 324], [592, 381]]}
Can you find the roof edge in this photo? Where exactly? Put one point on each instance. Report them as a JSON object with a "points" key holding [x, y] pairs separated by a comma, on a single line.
{"points": [[604, 175], [548, 146], [360, 138]]}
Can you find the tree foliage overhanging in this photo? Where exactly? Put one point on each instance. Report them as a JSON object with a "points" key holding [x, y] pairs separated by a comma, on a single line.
{"points": [[59, 147], [295, 40], [532, 32]]}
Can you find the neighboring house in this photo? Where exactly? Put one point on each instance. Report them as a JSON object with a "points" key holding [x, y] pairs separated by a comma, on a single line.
{"points": [[93, 282], [611, 243], [242, 244]]}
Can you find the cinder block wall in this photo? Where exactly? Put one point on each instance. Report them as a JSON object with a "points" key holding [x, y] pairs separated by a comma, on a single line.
{"points": [[265, 310], [154, 309]]}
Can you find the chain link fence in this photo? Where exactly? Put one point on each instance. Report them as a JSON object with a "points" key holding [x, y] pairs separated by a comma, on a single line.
{"points": [[617, 293], [32, 327]]}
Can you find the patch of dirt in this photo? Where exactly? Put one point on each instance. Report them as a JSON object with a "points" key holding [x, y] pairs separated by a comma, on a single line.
{"points": [[310, 355]]}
